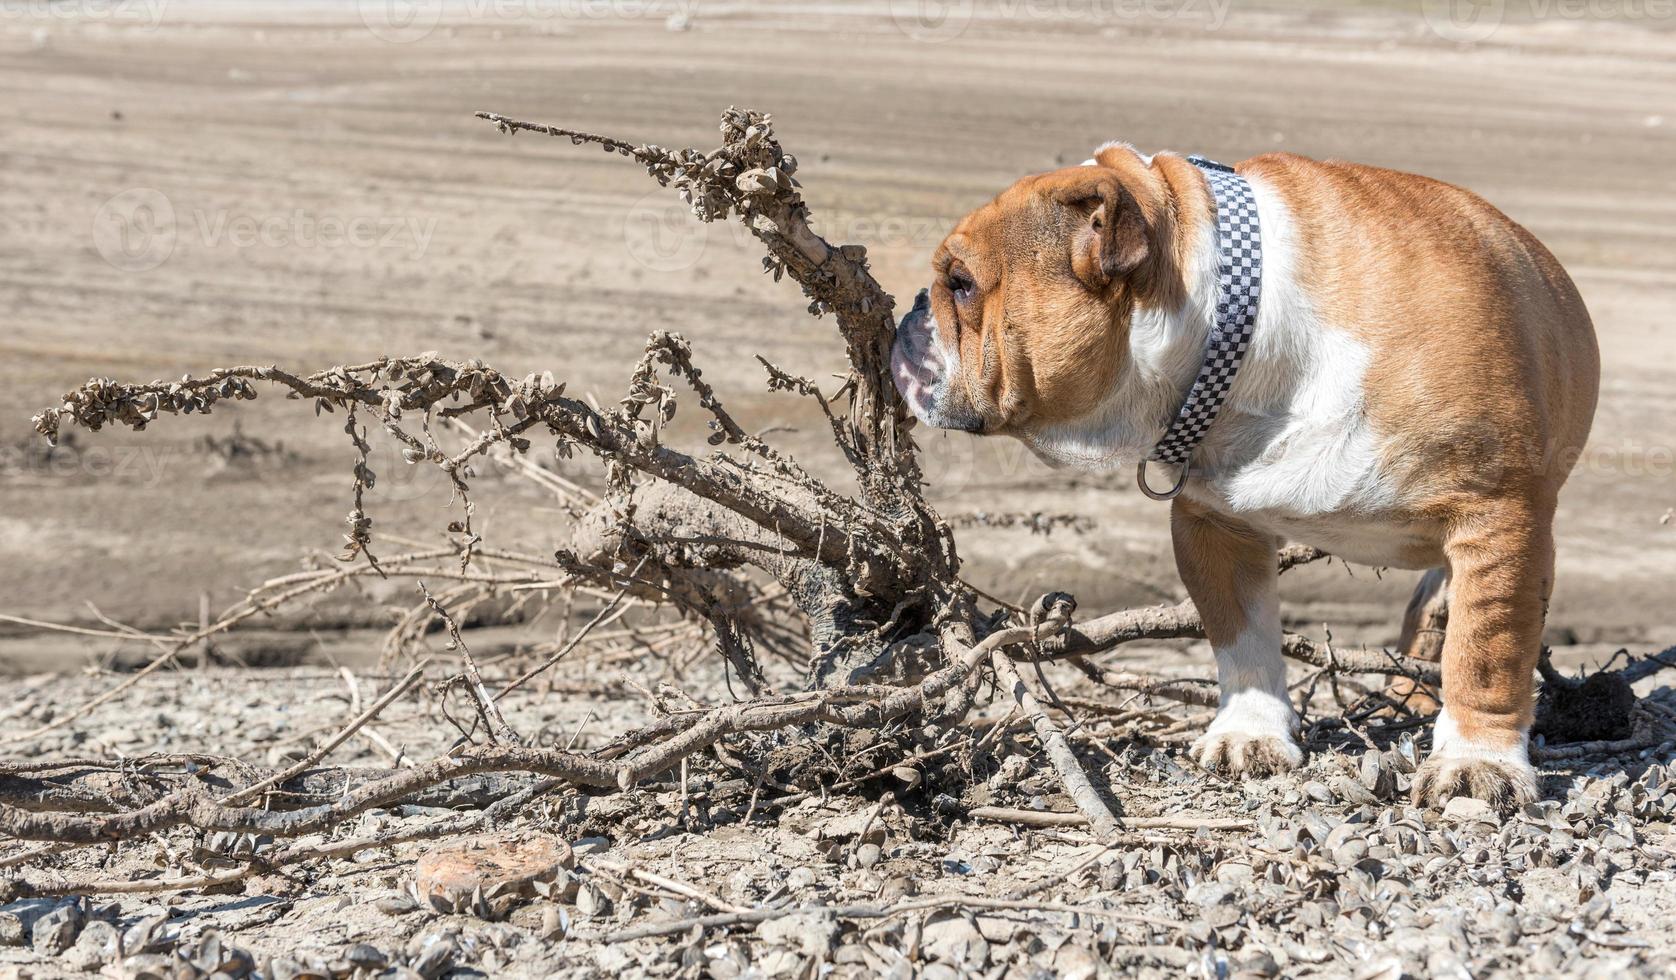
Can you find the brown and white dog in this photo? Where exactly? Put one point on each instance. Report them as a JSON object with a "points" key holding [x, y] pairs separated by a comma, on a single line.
{"points": [[1421, 380]]}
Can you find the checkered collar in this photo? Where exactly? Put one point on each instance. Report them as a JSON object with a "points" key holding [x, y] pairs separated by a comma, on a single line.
{"points": [[1240, 247]]}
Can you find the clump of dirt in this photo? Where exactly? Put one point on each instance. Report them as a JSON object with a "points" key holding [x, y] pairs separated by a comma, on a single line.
{"points": [[1594, 708]]}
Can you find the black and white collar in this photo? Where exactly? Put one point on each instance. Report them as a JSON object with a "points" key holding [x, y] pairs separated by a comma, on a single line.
{"points": [[1239, 287]]}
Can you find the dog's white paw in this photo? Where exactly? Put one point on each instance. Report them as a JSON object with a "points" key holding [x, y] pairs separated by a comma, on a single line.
{"points": [[1501, 776], [1252, 754], [1251, 736], [1504, 784]]}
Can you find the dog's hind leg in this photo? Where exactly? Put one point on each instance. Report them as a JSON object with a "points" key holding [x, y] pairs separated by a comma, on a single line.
{"points": [[1423, 629], [1229, 570], [1502, 565]]}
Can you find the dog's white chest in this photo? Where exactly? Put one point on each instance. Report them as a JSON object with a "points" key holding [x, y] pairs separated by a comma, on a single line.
{"points": [[1306, 463]]}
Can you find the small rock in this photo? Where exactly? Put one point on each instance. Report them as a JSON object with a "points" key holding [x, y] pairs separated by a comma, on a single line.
{"points": [[1465, 809], [1351, 791], [149, 935], [1210, 893], [17, 919], [592, 901], [867, 855], [811, 933], [798, 879], [850, 824], [94, 947], [555, 923], [436, 955], [956, 940], [399, 904], [56, 931], [499, 869], [1259, 964], [613, 959], [590, 845], [366, 957], [1234, 873]]}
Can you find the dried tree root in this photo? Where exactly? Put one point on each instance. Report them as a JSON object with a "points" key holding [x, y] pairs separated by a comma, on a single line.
{"points": [[1181, 621], [285, 856], [667, 743], [96, 787]]}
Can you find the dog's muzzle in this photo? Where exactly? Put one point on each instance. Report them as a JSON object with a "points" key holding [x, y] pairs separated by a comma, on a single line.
{"points": [[922, 371]]}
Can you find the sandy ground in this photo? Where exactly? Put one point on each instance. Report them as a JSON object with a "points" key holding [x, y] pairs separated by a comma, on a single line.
{"points": [[188, 185], [332, 199]]}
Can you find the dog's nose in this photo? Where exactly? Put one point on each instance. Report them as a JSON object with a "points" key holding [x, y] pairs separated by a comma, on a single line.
{"points": [[913, 322]]}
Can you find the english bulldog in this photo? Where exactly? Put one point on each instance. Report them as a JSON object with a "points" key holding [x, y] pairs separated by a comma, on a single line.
{"points": [[1420, 378]]}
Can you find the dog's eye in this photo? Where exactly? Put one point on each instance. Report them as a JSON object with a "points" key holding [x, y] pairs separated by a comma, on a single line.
{"points": [[960, 284]]}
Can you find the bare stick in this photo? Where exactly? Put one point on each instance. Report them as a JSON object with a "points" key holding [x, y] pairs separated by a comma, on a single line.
{"points": [[487, 709], [1059, 751], [755, 917], [1049, 818], [581, 635], [326, 747], [294, 854]]}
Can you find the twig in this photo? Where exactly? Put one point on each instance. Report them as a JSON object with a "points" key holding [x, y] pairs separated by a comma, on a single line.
{"points": [[294, 854], [885, 799], [671, 885], [1050, 818], [325, 748], [487, 709], [581, 635], [1059, 752], [755, 917]]}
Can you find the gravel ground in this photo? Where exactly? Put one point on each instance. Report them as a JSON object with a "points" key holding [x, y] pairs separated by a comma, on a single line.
{"points": [[1322, 872]]}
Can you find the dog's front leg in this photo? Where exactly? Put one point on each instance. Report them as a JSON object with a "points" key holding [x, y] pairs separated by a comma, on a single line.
{"points": [[1229, 570]]}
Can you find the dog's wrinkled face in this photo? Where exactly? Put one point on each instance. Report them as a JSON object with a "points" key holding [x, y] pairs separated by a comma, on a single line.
{"points": [[1025, 324]]}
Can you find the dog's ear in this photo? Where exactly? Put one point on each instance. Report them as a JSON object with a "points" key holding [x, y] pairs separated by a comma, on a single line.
{"points": [[1108, 237]]}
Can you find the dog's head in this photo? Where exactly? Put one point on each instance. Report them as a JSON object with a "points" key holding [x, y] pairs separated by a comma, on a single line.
{"points": [[1025, 325]]}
